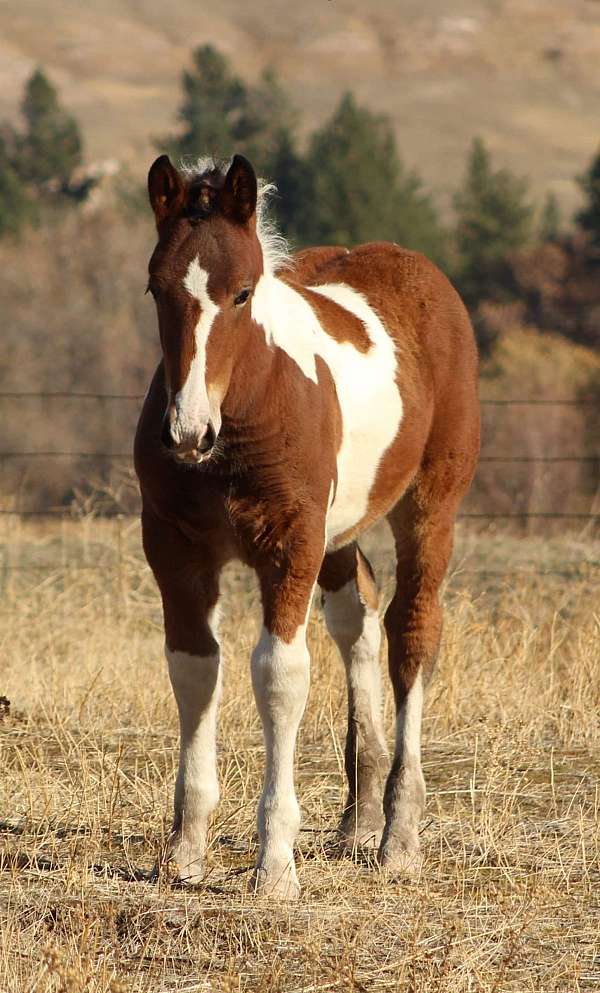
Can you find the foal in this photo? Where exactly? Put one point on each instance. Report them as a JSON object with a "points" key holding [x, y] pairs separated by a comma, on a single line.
{"points": [[298, 401]]}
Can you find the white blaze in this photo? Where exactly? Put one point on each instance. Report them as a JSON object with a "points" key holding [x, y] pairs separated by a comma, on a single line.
{"points": [[193, 406]]}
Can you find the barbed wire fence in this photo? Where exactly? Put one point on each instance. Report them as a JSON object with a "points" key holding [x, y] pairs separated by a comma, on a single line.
{"points": [[64, 513]]}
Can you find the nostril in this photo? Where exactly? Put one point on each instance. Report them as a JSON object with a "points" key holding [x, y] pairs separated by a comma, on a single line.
{"points": [[165, 434], [208, 440]]}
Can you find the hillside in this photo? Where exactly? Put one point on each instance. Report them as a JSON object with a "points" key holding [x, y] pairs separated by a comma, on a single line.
{"points": [[523, 74]]}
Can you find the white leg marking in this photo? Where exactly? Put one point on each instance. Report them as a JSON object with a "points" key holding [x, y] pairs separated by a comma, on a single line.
{"points": [[408, 726], [405, 793], [357, 631], [280, 677], [196, 682]]}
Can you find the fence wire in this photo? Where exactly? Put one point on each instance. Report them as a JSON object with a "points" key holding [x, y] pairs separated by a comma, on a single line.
{"points": [[53, 512]]}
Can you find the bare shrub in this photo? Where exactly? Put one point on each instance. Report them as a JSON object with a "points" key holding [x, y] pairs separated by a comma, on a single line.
{"points": [[530, 365], [559, 288], [76, 320]]}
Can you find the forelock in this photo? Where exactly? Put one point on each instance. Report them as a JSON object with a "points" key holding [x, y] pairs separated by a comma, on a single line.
{"points": [[207, 174]]}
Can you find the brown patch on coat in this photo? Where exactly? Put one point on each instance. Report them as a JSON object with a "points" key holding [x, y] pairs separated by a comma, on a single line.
{"points": [[339, 323], [307, 263], [307, 271]]}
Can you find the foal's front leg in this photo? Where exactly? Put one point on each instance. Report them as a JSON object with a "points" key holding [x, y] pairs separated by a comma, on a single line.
{"points": [[196, 681], [188, 578], [280, 677]]}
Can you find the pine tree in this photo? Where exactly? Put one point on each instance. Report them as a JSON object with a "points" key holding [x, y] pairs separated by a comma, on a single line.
{"points": [[549, 227], [17, 209], [360, 190], [50, 149], [214, 104], [267, 120], [588, 217], [289, 171], [494, 218], [222, 115]]}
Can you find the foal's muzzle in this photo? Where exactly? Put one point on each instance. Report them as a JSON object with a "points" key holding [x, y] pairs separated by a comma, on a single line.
{"points": [[192, 448]]}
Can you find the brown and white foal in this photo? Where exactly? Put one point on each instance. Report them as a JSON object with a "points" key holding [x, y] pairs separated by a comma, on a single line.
{"points": [[298, 401]]}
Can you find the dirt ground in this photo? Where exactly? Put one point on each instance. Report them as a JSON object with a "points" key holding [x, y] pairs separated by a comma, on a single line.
{"points": [[509, 894]]}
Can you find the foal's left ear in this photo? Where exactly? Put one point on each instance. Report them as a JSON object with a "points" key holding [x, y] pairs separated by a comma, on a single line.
{"points": [[239, 191]]}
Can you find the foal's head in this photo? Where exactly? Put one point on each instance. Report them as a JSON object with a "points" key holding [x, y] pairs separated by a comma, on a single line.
{"points": [[203, 272]]}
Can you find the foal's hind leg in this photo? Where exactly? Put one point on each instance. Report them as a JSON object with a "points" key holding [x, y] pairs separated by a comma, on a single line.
{"points": [[350, 603], [188, 577], [422, 524]]}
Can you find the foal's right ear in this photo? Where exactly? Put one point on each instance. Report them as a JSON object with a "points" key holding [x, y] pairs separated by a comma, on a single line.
{"points": [[166, 188]]}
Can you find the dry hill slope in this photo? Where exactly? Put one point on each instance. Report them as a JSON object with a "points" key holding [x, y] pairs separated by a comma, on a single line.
{"points": [[524, 74]]}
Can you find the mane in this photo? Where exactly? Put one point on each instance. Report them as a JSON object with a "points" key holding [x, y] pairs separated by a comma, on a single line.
{"points": [[275, 249]]}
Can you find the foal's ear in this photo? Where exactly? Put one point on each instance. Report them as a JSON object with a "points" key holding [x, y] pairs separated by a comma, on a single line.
{"points": [[165, 188], [239, 191]]}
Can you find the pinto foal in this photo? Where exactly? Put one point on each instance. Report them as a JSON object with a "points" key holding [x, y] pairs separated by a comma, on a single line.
{"points": [[298, 401]]}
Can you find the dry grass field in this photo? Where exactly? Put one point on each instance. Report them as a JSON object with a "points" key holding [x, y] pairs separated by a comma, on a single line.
{"points": [[509, 895]]}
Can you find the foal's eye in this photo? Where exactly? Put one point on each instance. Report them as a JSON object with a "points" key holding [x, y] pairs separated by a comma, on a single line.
{"points": [[241, 298]]}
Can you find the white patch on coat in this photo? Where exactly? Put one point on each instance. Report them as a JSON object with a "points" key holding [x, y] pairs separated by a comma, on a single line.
{"points": [[193, 407], [370, 403], [280, 678], [289, 322]]}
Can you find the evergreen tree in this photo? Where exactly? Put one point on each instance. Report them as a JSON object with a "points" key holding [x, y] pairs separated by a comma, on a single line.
{"points": [[213, 109], [550, 219], [267, 122], [350, 187], [16, 206], [588, 217], [49, 150], [359, 188], [222, 115], [494, 218], [289, 171]]}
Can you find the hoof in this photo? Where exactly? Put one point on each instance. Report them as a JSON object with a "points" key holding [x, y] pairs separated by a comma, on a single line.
{"points": [[360, 838], [278, 884], [189, 859], [362, 832], [401, 862]]}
